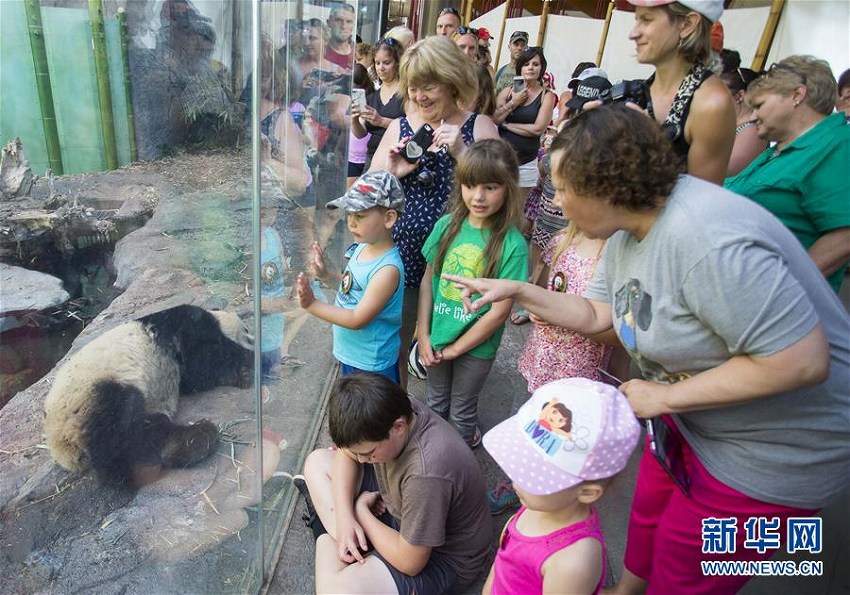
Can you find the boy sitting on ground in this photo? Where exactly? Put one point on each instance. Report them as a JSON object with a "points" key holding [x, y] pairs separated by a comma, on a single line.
{"points": [[560, 450], [401, 497], [366, 315]]}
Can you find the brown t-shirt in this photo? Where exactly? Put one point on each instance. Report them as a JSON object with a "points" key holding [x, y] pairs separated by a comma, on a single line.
{"points": [[436, 491]]}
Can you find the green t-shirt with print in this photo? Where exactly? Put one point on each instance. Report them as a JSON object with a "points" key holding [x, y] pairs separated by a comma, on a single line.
{"points": [[465, 257]]}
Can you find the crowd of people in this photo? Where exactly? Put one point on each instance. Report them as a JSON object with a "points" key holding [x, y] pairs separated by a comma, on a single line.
{"points": [[688, 237]]}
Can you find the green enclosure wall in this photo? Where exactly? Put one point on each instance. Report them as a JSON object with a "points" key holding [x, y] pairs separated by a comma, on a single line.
{"points": [[70, 58]]}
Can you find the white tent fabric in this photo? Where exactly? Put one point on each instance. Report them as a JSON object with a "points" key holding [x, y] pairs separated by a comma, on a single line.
{"points": [[492, 20], [817, 27], [618, 58], [570, 40]]}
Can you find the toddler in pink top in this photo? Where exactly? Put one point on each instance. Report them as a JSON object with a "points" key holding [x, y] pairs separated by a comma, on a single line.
{"points": [[560, 450]]}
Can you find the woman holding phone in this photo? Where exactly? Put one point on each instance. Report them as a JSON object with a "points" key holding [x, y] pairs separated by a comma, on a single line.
{"points": [[523, 111], [384, 106], [437, 80], [744, 348]]}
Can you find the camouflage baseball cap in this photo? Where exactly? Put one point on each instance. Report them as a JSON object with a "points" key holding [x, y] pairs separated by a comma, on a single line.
{"points": [[377, 188]]}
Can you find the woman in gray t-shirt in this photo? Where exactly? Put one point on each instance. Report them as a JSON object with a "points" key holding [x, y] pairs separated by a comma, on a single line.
{"points": [[743, 347]]}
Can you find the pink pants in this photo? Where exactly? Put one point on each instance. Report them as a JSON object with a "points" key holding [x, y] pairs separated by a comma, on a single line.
{"points": [[664, 544]]}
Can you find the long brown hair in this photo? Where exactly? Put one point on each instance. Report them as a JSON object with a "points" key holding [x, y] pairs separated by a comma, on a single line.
{"points": [[489, 161]]}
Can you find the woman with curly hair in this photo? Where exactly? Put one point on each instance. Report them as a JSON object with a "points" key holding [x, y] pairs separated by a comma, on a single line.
{"points": [[744, 349], [802, 179], [691, 103]]}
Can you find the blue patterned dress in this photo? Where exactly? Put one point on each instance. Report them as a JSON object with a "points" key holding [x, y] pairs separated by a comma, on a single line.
{"points": [[424, 202]]}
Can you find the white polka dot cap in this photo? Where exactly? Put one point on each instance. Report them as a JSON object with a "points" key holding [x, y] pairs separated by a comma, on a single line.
{"points": [[569, 431]]}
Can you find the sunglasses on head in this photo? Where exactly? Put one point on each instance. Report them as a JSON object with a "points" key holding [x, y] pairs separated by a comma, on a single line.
{"points": [[777, 66], [387, 41], [464, 30], [450, 10]]}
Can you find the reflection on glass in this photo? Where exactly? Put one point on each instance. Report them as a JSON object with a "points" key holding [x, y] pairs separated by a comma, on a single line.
{"points": [[174, 229]]}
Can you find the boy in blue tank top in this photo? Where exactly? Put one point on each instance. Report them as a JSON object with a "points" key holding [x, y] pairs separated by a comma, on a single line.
{"points": [[366, 314]]}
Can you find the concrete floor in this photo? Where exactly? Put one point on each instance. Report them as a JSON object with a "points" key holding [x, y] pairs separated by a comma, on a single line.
{"points": [[294, 570]]}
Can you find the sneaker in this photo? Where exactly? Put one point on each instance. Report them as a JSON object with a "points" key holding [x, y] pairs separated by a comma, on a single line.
{"points": [[300, 483], [502, 497]]}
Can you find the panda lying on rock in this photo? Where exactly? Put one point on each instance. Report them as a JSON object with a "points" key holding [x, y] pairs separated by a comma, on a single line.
{"points": [[111, 405]]}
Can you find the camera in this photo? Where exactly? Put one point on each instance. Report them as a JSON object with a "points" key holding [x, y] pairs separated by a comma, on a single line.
{"points": [[416, 146], [634, 91]]}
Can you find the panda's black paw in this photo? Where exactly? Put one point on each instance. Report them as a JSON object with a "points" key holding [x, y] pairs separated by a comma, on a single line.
{"points": [[188, 445]]}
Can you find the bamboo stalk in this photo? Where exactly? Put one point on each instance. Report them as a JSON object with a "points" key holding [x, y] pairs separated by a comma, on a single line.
{"points": [[502, 32], [544, 22], [767, 35], [604, 36], [128, 94], [104, 91], [42, 83], [236, 81]]}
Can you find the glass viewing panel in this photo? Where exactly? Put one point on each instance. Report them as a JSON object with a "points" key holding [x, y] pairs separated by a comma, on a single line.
{"points": [[200, 212]]}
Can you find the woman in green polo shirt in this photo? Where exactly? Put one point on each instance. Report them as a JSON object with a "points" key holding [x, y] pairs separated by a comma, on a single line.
{"points": [[803, 178]]}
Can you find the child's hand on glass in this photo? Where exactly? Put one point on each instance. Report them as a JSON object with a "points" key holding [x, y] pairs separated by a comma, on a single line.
{"points": [[316, 265], [303, 291]]}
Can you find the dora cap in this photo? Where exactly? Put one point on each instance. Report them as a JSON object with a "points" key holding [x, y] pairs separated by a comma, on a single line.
{"points": [[569, 431]]}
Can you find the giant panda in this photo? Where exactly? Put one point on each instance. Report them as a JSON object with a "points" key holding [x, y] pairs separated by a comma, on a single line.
{"points": [[111, 405]]}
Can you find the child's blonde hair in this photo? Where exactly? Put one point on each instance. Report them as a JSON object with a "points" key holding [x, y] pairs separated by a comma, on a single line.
{"points": [[489, 161], [569, 234]]}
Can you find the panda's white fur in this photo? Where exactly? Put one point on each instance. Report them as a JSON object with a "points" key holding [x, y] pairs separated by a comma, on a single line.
{"points": [[111, 391]]}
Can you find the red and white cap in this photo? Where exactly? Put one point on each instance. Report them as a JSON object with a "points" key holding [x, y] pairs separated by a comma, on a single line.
{"points": [[569, 431], [710, 9]]}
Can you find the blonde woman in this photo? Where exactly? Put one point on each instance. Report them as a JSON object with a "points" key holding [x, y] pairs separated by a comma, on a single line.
{"points": [[438, 81]]}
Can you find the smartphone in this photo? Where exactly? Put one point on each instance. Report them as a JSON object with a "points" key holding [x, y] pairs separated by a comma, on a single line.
{"points": [[519, 84], [417, 145], [358, 99], [666, 447]]}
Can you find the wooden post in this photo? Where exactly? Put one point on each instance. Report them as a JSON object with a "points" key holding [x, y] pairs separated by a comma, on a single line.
{"points": [[42, 84], [604, 36], [544, 18], [467, 14], [502, 32], [767, 35]]}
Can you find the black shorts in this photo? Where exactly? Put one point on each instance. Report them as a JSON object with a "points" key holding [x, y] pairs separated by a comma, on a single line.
{"points": [[435, 579]]}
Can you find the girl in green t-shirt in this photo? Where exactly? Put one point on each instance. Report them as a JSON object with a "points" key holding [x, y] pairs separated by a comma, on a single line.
{"points": [[477, 238]]}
